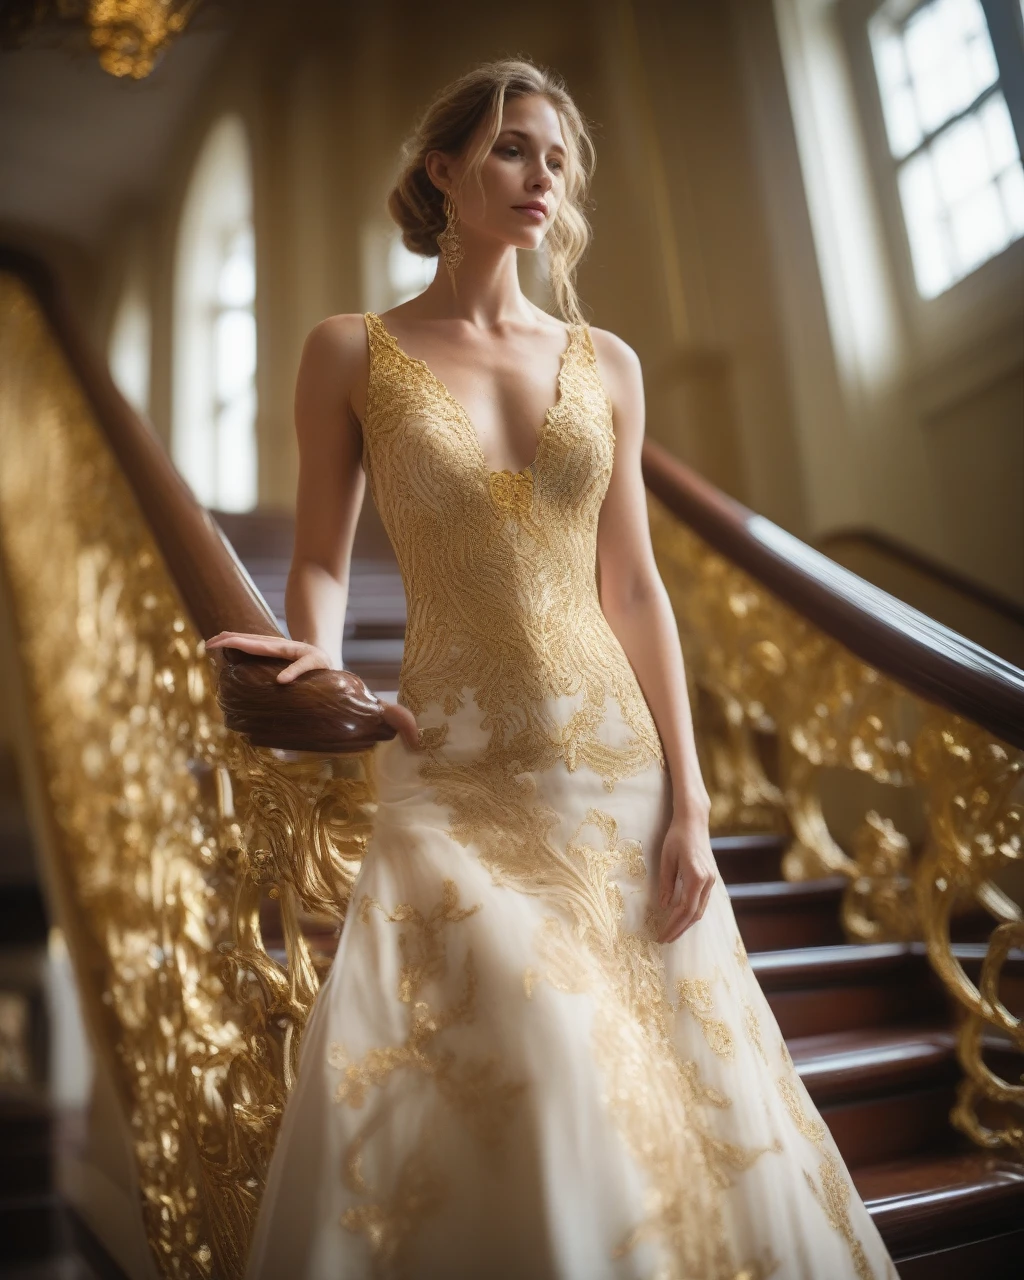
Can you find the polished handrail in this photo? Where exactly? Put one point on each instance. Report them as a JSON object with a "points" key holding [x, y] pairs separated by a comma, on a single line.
{"points": [[329, 711], [911, 648], [904, 554]]}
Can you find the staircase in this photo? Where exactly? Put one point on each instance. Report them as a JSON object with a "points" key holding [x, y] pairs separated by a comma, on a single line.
{"points": [[869, 1027]]}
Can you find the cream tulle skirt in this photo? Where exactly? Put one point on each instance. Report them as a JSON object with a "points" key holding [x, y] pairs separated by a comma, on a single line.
{"points": [[505, 1077]]}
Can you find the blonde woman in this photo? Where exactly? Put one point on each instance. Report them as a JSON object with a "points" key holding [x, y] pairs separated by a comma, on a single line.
{"points": [[540, 1052]]}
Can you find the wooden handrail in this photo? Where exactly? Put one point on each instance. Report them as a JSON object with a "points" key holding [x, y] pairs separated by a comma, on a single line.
{"points": [[916, 651], [912, 558], [327, 711]]}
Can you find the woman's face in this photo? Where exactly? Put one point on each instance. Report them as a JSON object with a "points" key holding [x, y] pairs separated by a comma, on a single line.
{"points": [[523, 176]]}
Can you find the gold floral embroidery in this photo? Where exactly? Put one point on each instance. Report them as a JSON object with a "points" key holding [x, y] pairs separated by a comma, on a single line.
{"points": [[473, 1089], [752, 1026], [834, 1190], [695, 995], [657, 1099], [389, 1222]]}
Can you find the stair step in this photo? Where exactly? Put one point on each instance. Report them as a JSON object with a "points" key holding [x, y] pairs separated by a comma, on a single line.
{"points": [[942, 1200], [817, 990], [749, 858], [884, 1092], [777, 914], [845, 1065]]}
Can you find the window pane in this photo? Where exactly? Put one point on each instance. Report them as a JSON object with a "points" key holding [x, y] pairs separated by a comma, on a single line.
{"points": [[963, 197], [923, 212], [978, 228], [236, 284], [236, 453], [235, 346], [941, 57]]}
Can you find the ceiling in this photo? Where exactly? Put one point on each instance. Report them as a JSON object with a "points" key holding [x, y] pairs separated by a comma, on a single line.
{"points": [[77, 144]]}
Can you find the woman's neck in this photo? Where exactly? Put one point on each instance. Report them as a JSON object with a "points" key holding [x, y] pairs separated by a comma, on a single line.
{"points": [[487, 292]]}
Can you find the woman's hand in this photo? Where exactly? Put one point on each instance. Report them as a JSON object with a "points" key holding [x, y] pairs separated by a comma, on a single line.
{"points": [[302, 657], [688, 873]]}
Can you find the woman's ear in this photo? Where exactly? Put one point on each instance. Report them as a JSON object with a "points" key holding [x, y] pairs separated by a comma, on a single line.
{"points": [[438, 167]]}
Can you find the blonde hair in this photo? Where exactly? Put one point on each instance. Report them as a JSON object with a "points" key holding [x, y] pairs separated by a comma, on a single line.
{"points": [[448, 124]]}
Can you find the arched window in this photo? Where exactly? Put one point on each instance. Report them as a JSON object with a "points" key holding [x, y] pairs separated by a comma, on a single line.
{"points": [[950, 133], [214, 415], [129, 347]]}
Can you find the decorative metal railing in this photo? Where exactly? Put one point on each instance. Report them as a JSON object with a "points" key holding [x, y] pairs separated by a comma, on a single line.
{"points": [[167, 830], [167, 827], [771, 682]]}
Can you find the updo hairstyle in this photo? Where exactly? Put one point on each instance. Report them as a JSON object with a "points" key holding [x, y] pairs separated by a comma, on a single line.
{"points": [[448, 124]]}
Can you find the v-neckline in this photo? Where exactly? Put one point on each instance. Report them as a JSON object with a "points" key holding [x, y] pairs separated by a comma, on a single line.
{"points": [[463, 414]]}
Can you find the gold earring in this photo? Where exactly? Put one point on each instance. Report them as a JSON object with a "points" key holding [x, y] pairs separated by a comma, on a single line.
{"points": [[449, 241]]}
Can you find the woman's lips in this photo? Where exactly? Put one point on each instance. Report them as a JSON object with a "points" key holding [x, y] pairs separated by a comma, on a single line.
{"points": [[538, 215]]}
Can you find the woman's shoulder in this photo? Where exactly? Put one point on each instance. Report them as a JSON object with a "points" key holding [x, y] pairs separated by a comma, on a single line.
{"points": [[618, 365]]}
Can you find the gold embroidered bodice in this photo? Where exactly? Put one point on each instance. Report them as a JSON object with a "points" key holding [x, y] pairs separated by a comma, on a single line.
{"points": [[500, 567]]}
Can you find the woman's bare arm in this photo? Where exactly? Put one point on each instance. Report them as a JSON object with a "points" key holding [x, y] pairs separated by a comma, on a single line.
{"points": [[331, 482], [330, 393], [638, 610]]}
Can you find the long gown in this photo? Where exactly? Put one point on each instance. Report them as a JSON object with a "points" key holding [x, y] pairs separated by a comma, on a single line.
{"points": [[505, 1076]]}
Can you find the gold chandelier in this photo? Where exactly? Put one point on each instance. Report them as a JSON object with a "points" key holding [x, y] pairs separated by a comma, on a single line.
{"points": [[129, 35]]}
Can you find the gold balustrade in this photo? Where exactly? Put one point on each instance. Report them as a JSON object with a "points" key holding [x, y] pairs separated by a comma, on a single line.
{"points": [[167, 830], [760, 669]]}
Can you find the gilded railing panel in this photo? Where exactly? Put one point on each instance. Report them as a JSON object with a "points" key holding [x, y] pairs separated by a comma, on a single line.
{"points": [[764, 668], [167, 830]]}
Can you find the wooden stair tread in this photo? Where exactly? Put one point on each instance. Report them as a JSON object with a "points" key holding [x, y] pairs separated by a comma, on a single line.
{"points": [[783, 894], [834, 965], [846, 1064], [941, 1198]]}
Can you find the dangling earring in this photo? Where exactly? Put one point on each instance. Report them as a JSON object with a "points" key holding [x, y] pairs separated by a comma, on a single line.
{"points": [[449, 240]]}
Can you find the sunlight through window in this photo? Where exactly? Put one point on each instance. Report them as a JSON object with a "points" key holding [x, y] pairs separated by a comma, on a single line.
{"points": [[214, 438], [959, 174]]}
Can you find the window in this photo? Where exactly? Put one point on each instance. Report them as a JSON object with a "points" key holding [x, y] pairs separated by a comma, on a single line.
{"points": [[129, 349], [214, 432], [959, 174]]}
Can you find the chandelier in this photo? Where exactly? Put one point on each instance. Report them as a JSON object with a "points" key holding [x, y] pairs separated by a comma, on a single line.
{"points": [[128, 35]]}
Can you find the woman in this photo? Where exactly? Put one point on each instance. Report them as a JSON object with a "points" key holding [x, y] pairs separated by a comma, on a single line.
{"points": [[540, 1051]]}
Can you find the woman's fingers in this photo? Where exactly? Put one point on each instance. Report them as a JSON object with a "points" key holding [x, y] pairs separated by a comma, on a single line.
{"points": [[667, 876], [308, 662], [264, 646], [692, 905], [402, 719]]}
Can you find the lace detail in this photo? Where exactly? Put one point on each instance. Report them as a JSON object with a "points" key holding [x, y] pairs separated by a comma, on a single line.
{"points": [[500, 568]]}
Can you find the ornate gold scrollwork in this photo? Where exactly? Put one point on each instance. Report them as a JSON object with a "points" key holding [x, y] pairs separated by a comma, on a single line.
{"points": [[764, 668], [976, 810], [167, 830]]}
